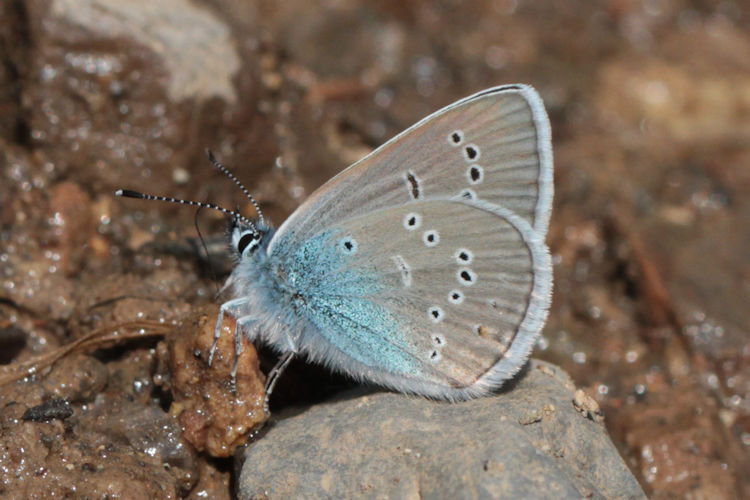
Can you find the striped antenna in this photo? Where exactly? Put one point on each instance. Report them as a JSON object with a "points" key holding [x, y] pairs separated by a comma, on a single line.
{"points": [[127, 193], [224, 170]]}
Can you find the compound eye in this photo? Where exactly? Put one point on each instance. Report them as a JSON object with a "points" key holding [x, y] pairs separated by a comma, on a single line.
{"points": [[248, 241]]}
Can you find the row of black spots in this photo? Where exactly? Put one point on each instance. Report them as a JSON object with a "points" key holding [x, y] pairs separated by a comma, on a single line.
{"points": [[456, 297], [471, 152], [412, 221], [348, 245], [466, 276], [436, 314], [431, 238], [463, 256], [475, 174], [456, 138], [413, 185]]}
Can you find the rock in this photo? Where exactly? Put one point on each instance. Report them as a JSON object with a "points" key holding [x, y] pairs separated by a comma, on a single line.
{"points": [[528, 442]]}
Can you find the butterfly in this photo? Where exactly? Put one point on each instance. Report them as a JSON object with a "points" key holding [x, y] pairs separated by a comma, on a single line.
{"points": [[423, 267]]}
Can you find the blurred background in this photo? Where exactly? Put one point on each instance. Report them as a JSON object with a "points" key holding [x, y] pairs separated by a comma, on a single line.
{"points": [[650, 108]]}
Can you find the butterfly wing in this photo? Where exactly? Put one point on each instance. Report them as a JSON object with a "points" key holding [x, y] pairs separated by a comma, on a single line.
{"points": [[443, 298], [494, 145]]}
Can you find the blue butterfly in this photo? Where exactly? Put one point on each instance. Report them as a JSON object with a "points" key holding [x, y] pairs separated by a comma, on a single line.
{"points": [[422, 267]]}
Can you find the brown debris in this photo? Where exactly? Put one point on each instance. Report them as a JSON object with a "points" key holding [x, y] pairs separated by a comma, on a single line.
{"points": [[214, 419]]}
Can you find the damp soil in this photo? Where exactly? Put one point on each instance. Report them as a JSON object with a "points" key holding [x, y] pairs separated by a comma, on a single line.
{"points": [[650, 232]]}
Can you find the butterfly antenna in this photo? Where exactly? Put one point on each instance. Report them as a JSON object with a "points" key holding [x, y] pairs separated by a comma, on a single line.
{"points": [[224, 170], [127, 193]]}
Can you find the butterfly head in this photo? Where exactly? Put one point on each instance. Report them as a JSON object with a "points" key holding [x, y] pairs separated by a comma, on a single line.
{"points": [[248, 238]]}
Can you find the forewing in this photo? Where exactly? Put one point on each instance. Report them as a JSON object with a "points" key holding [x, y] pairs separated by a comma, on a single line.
{"points": [[494, 145], [444, 298]]}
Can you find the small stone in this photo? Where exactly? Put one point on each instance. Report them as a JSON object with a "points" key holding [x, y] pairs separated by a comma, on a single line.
{"points": [[531, 417], [587, 406]]}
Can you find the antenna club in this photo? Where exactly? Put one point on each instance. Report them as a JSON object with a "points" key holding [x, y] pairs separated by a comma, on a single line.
{"points": [[127, 193]]}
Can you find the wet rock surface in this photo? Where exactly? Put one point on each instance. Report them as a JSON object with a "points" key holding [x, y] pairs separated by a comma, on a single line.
{"points": [[529, 442], [649, 235]]}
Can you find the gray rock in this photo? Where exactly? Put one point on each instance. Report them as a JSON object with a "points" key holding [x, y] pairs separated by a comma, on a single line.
{"points": [[531, 441]]}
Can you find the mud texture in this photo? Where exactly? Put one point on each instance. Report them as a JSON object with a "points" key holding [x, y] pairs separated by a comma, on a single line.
{"points": [[650, 233]]}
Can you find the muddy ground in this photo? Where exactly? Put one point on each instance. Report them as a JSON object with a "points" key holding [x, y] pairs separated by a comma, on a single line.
{"points": [[650, 234]]}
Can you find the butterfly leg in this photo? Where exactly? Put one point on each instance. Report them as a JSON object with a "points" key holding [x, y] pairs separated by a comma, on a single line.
{"points": [[233, 307], [274, 375], [244, 324]]}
